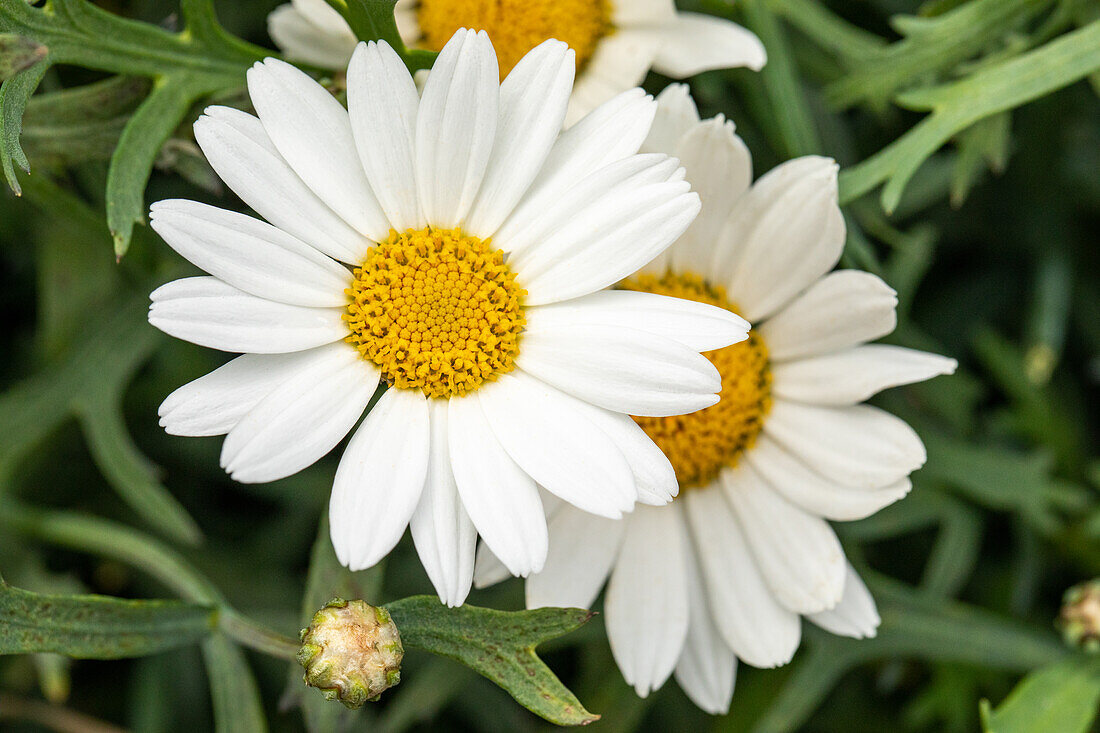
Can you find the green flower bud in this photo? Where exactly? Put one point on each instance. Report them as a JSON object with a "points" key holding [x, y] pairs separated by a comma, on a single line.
{"points": [[1079, 620], [351, 652]]}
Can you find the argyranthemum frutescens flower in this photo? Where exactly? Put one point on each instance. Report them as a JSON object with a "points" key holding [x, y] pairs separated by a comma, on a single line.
{"points": [[616, 41], [729, 568], [506, 368]]}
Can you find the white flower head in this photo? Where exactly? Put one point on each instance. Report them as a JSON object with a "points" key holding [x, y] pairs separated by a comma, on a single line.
{"points": [[727, 570], [451, 247], [616, 41]]}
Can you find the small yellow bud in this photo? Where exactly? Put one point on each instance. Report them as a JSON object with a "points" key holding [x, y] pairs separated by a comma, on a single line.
{"points": [[351, 652], [1080, 616]]}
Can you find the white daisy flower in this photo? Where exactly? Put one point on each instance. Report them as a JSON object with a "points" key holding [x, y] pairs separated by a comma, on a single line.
{"points": [[727, 570], [616, 41], [452, 247]]}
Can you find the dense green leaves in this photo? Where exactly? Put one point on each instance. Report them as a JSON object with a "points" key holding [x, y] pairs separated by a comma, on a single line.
{"points": [[1062, 697], [97, 627], [500, 645]]}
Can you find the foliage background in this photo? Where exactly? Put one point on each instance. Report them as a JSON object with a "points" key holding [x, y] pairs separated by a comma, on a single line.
{"points": [[992, 248]]}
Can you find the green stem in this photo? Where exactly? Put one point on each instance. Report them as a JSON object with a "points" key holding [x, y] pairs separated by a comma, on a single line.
{"points": [[254, 636]]}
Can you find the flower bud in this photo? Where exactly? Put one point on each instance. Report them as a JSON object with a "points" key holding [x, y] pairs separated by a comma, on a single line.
{"points": [[351, 652], [1080, 616]]}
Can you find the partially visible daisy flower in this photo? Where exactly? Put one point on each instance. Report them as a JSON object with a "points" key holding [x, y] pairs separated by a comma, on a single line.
{"points": [[616, 41], [727, 571], [450, 247]]}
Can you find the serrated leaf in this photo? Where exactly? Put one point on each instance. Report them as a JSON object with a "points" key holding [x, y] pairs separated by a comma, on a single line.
{"points": [[1063, 697], [499, 645], [97, 627], [14, 95]]}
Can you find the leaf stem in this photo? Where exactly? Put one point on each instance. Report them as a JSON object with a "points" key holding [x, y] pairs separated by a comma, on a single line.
{"points": [[256, 636]]}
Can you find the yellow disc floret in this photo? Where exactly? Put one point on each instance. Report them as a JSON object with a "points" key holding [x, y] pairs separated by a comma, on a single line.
{"points": [[699, 445], [517, 26], [436, 310]]}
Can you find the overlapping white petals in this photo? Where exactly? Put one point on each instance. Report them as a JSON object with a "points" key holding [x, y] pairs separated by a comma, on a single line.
{"points": [[303, 418], [382, 106], [308, 38], [455, 127], [208, 312], [856, 615], [621, 369], [753, 623], [380, 479], [798, 553], [856, 374], [699, 326], [312, 132], [501, 499], [444, 536], [843, 309], [241, 153], [860, 445], [693, 42], [583, 548], [707, 667], [250, 255], [647, 603]]}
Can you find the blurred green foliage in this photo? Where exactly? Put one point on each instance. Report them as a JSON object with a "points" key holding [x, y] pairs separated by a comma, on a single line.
{"points": [[980, 119]]}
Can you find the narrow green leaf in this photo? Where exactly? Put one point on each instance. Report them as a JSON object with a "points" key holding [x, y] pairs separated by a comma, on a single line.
{"points": [[18, 53], [97, 627], [1063, 698], [236, 698], [132, 163], [14, 95], [501, 646]]}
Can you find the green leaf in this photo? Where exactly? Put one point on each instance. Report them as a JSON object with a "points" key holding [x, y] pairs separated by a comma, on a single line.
{"points": [[97, 627], [18, 53], [14, 95], [1062, 698], [501, 646], [237, 704], [958, 105]]}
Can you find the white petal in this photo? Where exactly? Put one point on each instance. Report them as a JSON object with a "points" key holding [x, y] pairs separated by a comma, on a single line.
{"points": [[500, 498], [382, 105], [488, 569], [557, 445], [380, 478], [707, 667], [758, 629], [851, 376], [607, 241], [213, 404], [642, 12], [699, 326], [444, 536], [646, 603], [322, 15], [302, 40], [782, 235], [456, 127], [312, 132], [720, 170], [529, 227], [532, 108], [583, 548], [676, 115], [797, 553], [694, 42], [654, 477], [815, 493], [620, 61], [611, 132], [621, 370], [860, 445], [250, 255], [842, 309], [303, 418], [855, 615], [243, 156], [207, 312]]}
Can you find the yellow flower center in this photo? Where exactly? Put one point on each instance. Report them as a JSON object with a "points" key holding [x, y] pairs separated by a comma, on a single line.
{"points": [[701, 444], [436, 310], [517, 26]]}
